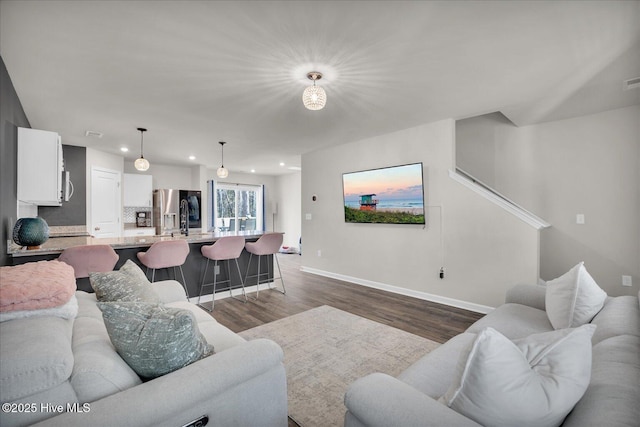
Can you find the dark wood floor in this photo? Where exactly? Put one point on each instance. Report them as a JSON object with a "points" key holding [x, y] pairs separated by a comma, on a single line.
{"points": [[305, 291]]}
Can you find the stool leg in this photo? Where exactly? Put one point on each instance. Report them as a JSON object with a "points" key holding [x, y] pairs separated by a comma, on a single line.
{"points": [[215, 276], [241, 281], [153, 275], [246, 275], [204, 278], [184, 282], [258, 277], [284, 290]]}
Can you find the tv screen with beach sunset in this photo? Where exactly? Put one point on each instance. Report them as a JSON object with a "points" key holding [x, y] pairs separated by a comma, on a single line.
{"points": [[392, 195]]}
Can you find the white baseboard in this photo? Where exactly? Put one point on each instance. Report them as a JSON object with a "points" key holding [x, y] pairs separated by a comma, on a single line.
{"points": [[478, 308], [225, 294]]}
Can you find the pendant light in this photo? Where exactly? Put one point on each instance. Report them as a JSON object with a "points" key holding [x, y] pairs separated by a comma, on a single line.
{"points": [[141, 164], [314, 97], [222, 171]]}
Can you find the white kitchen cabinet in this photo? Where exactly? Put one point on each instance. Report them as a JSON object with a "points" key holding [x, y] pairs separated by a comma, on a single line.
{"points": [[147, 231], [40, 166], [138, 190]]}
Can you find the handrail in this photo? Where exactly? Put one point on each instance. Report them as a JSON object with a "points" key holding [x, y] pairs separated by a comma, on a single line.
{"points": [[492, 195]]}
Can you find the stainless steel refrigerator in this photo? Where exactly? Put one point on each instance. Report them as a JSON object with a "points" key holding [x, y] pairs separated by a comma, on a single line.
{"points": [[168, 216]]}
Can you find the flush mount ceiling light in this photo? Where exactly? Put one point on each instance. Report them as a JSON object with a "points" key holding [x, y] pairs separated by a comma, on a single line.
{"points": [[222, 171], [141, 164], [314, 97]]}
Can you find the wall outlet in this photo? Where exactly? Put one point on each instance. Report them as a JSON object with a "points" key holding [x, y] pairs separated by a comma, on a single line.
{"points": [[580, 219], [627, 281], [319, 252], [307, 216]]}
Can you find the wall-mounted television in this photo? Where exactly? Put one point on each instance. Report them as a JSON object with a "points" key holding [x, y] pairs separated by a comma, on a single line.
{"points": [[391, 195]]}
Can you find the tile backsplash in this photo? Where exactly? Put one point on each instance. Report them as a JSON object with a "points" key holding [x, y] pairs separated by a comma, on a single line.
{"points": [[129, 216]]}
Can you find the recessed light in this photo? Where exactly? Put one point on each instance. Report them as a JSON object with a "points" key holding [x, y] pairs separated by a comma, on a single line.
{"points": [[124, 149], [281, 163], [253, 171], [192, 157]]}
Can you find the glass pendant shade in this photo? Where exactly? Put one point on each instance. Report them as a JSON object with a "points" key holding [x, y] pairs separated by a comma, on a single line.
{"points": [[314, 97], [222, 172], [141, 164]]}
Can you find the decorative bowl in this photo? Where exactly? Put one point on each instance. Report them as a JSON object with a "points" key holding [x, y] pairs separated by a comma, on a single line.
{"points": [[30, 232]]}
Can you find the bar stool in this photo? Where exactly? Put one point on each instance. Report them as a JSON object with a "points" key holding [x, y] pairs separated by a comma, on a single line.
{"points": [[226, 248], [87, 259], [267, 244], [166, 254]]}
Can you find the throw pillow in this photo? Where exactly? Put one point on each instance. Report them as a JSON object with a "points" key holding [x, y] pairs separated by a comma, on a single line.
{"points": [[153, 339], [534, 381], [573, 299], [127, 284]]}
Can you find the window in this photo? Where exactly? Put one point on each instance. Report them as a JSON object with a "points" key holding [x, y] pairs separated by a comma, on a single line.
{"points": [[236, 207]]}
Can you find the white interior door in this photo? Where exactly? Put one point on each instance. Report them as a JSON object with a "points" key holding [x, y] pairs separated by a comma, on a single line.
{"points": [[105, 203]]}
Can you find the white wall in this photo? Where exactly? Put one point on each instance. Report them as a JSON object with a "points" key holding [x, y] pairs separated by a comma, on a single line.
{"points": [[168, 176], [586, 165], [288, 216], [475, 145], [484, 249]]}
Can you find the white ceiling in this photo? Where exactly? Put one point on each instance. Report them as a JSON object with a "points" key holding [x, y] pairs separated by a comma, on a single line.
{"points": [[197, 72]]}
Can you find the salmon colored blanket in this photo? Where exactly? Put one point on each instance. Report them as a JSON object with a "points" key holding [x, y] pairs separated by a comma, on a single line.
{"points": [[36, 285]]}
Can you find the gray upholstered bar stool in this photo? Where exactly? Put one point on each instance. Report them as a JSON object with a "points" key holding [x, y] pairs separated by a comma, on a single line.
{"points": [[166, 254], [267, 244], [226, 248]]}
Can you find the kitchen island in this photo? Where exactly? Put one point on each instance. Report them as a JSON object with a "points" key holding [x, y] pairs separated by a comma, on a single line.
{"points": [[128, 247]]}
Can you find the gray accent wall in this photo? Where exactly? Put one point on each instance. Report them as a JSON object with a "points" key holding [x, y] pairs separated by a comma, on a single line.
{"points": [[74, 211], [586, 165], [12, 116]]}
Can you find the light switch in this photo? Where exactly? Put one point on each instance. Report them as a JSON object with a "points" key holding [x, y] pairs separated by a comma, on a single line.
{"points": [[580, 219], [627, 281]]}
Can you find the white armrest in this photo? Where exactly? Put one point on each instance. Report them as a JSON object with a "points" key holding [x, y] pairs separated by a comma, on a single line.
{"points": [[381, 400]]}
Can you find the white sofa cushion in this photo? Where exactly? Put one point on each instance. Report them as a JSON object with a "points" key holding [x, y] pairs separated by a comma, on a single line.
{"points": [[533, 381], [35, 355], [573, 299], [220, 337], [612, 396], [98, 370]]}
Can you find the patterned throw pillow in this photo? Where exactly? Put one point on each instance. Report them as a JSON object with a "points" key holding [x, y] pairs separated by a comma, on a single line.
{"points": [[127, 284], [153, 339]]}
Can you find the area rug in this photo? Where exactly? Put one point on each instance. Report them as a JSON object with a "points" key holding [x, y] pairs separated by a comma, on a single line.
{"points": [[326, 349]]}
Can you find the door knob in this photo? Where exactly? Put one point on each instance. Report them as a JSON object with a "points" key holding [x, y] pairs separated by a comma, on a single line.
{"points": [[97, 228]]}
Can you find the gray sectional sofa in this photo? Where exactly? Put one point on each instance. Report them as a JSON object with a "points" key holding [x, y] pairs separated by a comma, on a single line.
{"points": [[612, 397], [51, 364]]}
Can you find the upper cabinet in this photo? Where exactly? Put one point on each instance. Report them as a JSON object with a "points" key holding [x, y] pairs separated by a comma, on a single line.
{"points": [[138, 190], [40, 167]]}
